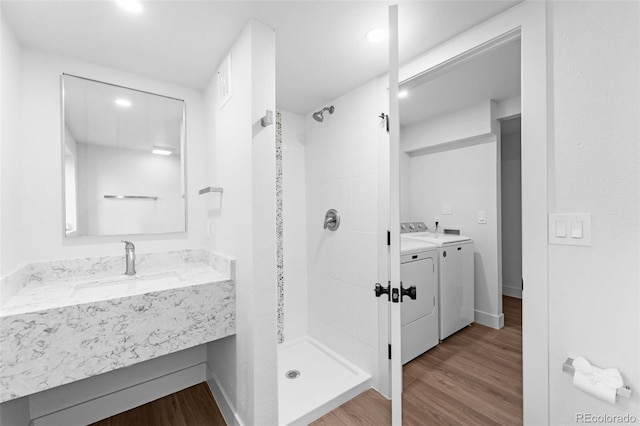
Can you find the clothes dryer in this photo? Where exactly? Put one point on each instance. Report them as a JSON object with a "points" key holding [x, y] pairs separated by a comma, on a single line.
{"points": [[456, 284], [419, 267]]}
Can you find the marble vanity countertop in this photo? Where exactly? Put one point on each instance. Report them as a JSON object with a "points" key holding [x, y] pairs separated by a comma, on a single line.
{"points": [[69, 320]]}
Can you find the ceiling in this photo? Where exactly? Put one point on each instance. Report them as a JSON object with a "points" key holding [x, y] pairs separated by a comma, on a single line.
{"points": [[321, 50], [492, 75]]}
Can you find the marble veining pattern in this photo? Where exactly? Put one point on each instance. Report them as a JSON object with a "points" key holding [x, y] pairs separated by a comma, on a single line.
{"points": [[43, 347]]}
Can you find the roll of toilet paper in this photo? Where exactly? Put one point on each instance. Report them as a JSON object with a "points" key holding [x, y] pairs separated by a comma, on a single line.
{"points": [[602, 384]]}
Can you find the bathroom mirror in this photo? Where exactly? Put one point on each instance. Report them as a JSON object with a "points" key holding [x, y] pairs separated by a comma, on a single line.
{"points": [[123, 160]]}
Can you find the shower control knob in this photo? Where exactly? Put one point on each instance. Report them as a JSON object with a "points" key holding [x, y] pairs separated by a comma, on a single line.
{"points": [[412, 226]]}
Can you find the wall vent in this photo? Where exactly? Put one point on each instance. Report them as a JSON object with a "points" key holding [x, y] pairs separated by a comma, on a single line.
{"points": [[224, 82]]}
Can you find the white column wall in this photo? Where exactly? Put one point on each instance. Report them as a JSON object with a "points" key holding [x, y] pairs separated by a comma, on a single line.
{"points": [[12, 244], [594, 167], [241, 222]]}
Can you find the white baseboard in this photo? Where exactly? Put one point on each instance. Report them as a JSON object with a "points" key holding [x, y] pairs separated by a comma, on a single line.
{"points": [[125, 399], [490, 320], [512, 291], [225, 404]]}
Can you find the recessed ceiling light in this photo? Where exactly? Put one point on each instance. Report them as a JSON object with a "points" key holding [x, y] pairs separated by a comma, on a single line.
{"points": [[124, 103], [403, 94], [132, 6], [377, 35], [161, 150]]}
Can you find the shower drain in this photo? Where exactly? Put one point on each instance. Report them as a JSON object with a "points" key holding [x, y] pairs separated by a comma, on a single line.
{"points": [[292, 374]]}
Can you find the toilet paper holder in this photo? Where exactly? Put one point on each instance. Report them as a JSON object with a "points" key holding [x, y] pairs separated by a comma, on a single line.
{"points": [[568, 368]]}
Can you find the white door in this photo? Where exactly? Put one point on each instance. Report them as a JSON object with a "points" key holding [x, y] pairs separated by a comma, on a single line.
{"points": [[394, 221]]}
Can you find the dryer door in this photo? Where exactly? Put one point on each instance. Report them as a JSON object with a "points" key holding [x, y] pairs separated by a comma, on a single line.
{"points": [[420, 272]]}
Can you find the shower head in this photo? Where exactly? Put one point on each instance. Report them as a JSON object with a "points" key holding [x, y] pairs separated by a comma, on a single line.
{"points": [[319, 115]]}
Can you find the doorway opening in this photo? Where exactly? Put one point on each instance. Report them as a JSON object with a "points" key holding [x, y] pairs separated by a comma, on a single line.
{"points": [[460, 177]]}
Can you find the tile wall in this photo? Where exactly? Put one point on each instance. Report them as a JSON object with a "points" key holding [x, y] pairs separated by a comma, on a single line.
{"points": [[341, 173], [293, 301]]}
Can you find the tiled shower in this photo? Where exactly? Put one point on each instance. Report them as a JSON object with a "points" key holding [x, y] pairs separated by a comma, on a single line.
{"points": [[326, 278]]}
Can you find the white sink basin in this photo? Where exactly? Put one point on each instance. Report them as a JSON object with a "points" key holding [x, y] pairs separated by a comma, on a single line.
{"points": [[126, 285]]}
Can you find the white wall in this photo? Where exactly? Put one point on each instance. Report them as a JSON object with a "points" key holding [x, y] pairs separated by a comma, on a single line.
{"points": [[341, 166], [465, 178], [294, 206], [229, 213], [511, 217], [468, 122], [453, 162], [15, 412], [32, 206], [594, 167], [11, 241], [104, 170], [405, 187], [241, 159], [39, 175], [263, 292]]}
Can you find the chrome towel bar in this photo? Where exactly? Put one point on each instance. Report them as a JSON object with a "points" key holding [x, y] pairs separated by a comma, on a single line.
{"points": [[210, 189], [132, 197]]}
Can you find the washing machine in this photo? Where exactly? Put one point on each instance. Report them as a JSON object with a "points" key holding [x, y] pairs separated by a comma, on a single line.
{"points": [[456, 284], [419, 268]]}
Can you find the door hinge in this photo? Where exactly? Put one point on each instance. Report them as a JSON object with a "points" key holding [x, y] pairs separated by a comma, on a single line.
{"points": [[389, 350], [389, 238]]}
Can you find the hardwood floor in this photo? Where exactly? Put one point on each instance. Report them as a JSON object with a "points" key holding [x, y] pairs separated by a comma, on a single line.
{"points": [[472, 378], [193, 406]]}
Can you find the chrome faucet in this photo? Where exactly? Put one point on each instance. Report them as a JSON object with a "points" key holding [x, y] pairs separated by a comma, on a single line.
{"points": [[130, 257]]}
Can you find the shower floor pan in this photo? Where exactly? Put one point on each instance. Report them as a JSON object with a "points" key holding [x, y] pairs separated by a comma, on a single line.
{"points": [[325, 381]]}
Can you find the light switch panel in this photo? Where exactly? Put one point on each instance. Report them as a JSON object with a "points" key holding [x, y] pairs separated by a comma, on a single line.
{"points": [[446, 208], [576, 229], [482, 217], [570, 229]]}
